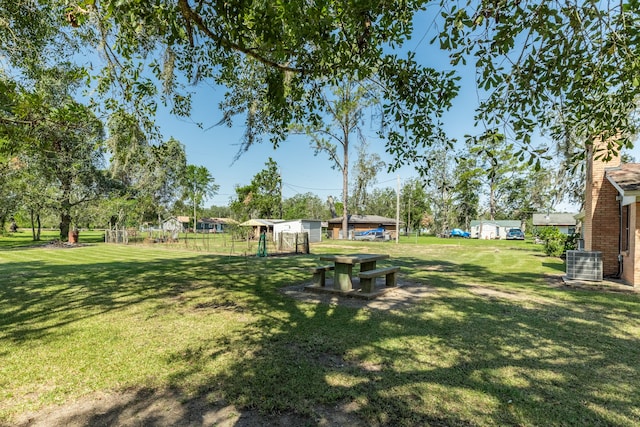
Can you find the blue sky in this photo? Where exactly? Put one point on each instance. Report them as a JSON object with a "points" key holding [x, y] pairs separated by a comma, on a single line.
{"points": [[301, 170]]}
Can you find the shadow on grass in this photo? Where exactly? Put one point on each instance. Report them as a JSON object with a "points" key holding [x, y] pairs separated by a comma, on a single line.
{"points": [[558, 266], [23, 239], [548, 350], [456, 358]]}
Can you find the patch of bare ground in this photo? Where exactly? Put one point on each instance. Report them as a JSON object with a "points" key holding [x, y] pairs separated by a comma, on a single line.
{"points": [[145, 407], [402, 296], [604, 286], [484, 291], [57, 244], [554, 281]]}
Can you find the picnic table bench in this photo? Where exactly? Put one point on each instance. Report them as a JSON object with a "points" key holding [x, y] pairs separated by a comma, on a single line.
{"points": [[320, 274], [368, 278]]}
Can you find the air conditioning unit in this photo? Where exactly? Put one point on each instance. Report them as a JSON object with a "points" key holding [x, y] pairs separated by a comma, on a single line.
{"points": [[584, 265]]}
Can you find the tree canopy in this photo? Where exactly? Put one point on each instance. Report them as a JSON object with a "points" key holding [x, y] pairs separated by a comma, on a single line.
{"points": [[273, 56], [197, 183], [55, 141], [570, 68], [262, 198], [561, 66]]}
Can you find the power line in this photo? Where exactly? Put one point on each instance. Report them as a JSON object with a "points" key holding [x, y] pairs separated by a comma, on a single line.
{"points": [[311, 188]]}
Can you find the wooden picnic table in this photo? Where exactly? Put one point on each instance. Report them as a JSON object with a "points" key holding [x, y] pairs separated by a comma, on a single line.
{"points": [[344, 267]]}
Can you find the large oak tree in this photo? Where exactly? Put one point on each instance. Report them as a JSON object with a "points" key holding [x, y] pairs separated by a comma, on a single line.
{"points": [[538, 61]]}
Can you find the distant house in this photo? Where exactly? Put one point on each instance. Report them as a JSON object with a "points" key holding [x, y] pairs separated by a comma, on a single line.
{"points": [[492, 229], [214, 225], [175, 224], [357, 223], [311, 226], [565, 222]]}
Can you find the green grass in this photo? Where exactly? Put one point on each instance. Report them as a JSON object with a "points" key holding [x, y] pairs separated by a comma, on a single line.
{"points": [[492, 344]]}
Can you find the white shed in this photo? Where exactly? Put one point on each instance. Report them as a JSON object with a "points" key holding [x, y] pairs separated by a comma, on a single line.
{"points": [[311, 226]]}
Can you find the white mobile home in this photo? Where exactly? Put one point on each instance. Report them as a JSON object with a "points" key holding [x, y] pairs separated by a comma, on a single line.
{"points": [[497, 229]]}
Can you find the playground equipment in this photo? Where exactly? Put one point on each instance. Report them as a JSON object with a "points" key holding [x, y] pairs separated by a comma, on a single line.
{"points": [[262, 245]]}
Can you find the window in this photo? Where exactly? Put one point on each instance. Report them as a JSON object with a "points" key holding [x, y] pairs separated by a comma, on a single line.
{"points": [[624, 244]]}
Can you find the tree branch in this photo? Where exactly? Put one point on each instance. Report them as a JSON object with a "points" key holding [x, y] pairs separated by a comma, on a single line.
{"points": [[191, 16]]}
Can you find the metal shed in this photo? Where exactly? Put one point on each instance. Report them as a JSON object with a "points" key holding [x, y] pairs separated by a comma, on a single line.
{"points": [[311, 226]]}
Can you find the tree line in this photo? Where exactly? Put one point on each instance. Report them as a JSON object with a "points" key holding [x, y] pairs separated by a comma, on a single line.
{"points": [[459, 186]]}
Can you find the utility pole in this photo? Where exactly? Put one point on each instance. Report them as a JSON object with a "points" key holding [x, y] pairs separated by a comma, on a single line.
{"points": [[398, 212], [280, 179], [409, 215]]}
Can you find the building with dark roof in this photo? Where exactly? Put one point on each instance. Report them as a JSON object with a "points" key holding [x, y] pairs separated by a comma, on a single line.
{"points": [[358, 223], [565, 222]]}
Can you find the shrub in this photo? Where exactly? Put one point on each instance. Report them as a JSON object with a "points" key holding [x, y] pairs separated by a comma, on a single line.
{"points": [[571, 242], [554, 241]]}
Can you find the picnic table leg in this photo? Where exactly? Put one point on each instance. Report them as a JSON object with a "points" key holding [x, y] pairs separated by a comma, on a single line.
{"points": [[366, 266], [368, 284], [319, 278], [391, 279], [342, 277]]}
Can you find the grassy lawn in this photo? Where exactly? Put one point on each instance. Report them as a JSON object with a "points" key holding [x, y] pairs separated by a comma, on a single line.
{"points": [[492, 344]]}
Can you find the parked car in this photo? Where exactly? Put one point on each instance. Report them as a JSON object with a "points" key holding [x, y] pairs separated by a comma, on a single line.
{"points": [[456, 232], [515, 234], [375, 234]]}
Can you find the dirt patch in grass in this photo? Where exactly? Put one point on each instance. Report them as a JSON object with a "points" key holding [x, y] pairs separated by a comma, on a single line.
{"points": [[57, 244], [401, 297], [606, 285], [498, 294], [145, 407], [554, 281]]}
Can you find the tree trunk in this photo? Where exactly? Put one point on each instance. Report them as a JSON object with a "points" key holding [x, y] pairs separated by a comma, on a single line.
{"points": [[492, 202], [65, 210], [39, 226], [65, 225], [492, 192], [33, 224]]}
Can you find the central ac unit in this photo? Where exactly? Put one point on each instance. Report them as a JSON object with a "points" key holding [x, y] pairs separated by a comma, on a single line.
{"points": [[584, 265]]}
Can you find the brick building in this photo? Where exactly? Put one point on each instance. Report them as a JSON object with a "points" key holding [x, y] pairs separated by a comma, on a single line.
{"points": [[612, 221]]}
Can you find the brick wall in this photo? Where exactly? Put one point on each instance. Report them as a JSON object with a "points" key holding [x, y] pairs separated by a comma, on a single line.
{"points": [[631, 258], [602, 211]]}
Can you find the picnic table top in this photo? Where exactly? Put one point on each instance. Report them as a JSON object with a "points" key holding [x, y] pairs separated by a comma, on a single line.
{"points": [[353, 258]]}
